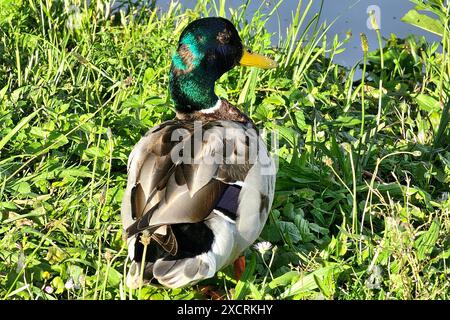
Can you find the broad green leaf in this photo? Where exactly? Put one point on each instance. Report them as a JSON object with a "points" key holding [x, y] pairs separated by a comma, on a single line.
{"points": [[114, 277], [154, 101], [19, 126], [322, 284], [39, 132], [300, 120], [308, 282], [22, 187], [92, 152], [76, 172], [306, 193], [57, 140], [5, 205], [424, 22], [288, 210], [291, 135], [318, 229], [427, 103], [426, 241], [345, 121], [58, 284], [284, 279], [303, 228], [288, 229], [3, 92], [149, 76], [274, 99], [271, 233]]}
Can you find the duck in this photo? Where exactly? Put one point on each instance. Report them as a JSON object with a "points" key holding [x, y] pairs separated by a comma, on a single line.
{"points": [[199, 187]]}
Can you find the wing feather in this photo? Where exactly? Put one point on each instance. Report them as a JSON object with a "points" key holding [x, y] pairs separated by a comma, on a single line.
{"points": [[162, 190]]}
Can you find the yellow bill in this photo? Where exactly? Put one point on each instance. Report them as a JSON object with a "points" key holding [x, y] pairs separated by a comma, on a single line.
{"points": [[250, 59]]}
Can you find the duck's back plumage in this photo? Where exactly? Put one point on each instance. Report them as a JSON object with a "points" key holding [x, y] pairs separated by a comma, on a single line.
{"points": [[201, 203]]}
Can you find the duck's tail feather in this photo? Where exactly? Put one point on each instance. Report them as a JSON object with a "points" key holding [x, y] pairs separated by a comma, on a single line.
{"points": [[180, 273]]}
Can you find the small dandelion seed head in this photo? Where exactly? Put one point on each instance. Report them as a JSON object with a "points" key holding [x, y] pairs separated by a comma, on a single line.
{"points": [[263, 246]]}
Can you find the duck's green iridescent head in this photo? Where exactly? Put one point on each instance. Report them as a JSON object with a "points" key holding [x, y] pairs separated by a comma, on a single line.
{"points": [[207, 48]]}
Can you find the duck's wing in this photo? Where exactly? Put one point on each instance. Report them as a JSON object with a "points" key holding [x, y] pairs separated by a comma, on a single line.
{"points": [[179, 172]]}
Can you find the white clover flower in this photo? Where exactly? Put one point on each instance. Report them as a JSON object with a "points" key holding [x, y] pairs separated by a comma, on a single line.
{"points": [[263, 247], [69, 284], [48, 289]]}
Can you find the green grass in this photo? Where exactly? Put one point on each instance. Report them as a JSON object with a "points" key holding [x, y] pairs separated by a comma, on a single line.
{"points": [[361, 209]]}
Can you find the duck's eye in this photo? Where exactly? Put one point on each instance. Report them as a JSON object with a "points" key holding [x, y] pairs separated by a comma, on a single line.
{"points": [[249, 50], [224, 36]]}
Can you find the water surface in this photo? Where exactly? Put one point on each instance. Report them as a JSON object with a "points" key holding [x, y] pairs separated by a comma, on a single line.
{"points": [[352, 16]]}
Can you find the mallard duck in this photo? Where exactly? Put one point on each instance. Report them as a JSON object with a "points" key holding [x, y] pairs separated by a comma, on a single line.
{"points": [[200, 186]]}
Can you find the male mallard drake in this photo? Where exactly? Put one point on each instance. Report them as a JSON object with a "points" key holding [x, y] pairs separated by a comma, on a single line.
{"points": [[199, 187]]}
